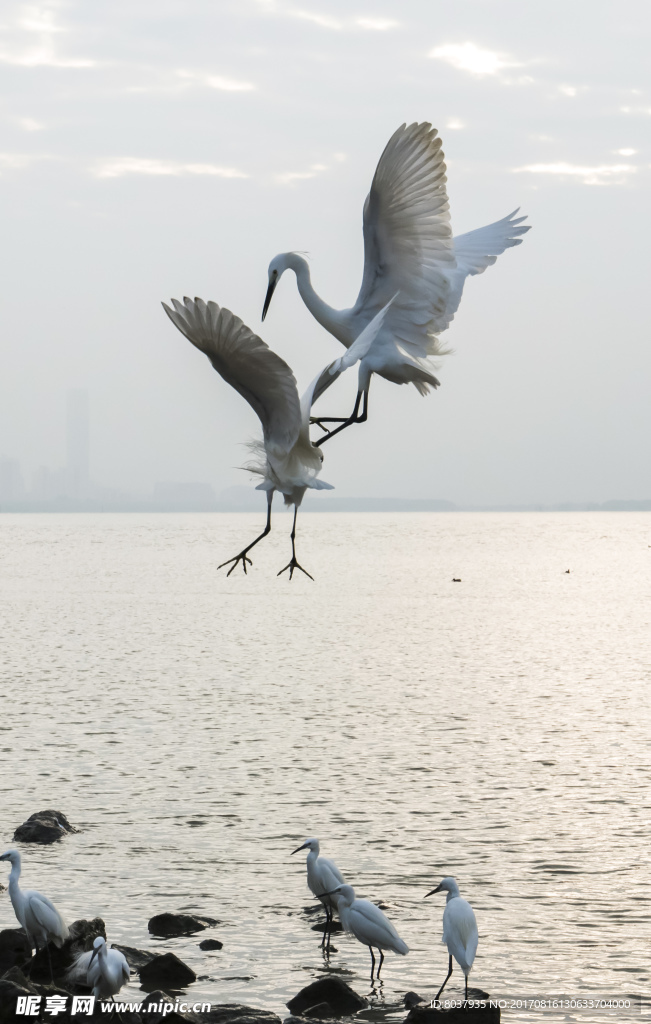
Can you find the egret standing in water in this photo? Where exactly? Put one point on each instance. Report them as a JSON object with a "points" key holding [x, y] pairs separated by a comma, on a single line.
{"points": [[459, 930], [322, 875], [286, 458], [368, 924], [408, 248], [35, 912], [103, 969]]}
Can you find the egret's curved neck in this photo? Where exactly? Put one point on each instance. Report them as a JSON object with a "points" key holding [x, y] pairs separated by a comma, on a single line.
{"points": [[14, 888], [312, 856], [452, 894], [328, 317]]}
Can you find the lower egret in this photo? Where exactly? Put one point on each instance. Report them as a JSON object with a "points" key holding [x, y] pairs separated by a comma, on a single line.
{"points": [[287, 460], [368, 924], [322, 874], [103, 969], [459, 930], [35, 912]]}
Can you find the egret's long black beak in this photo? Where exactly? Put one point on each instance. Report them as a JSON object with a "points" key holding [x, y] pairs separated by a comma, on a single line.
{"points": [[270, 290], [330, 893], [94, 954], [438, 889], [304, 846]]}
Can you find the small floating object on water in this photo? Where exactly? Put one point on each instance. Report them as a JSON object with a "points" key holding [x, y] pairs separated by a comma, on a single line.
{"points": [[567, 570], [368, 924], [459, 930], [456, 579]]}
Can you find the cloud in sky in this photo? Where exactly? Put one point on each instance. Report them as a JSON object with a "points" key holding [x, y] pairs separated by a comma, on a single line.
{"points": [[217, 81], [37, 20], [130, 165], [472, 58], [602, 174]]}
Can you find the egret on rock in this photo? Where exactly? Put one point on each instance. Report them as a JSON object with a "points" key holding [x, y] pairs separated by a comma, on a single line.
{"points": [[459, 930], [408, 248], [322, 875], [35, 912], [103, 969], [368, 924], [286, 459]]}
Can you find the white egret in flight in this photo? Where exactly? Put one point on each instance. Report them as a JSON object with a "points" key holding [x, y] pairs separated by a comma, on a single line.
{"points": [[408, 248], [102, 968], [368, 924], [459, 930], [35, 912], [286, 458], [322, 874]]}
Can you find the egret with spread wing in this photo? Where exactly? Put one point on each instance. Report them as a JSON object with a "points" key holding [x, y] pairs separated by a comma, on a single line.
{"points": [[460, 933], [286, 459], [408, 248], [103, 969], [35, 912]]}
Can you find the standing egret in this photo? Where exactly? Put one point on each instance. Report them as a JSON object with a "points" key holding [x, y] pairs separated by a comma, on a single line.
{"points": [[286, 458], [368, 924], [35, 912], [322, 875], [408, 248], [459, 930], [103, 969]]}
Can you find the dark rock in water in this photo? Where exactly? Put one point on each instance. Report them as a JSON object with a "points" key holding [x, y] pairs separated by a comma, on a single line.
{"points": [[136, 958], [15, 984], [81, 938], [14, 948], [235, 1013], [211, 944], [168, 926], [322, 1011], [166, 970], [455, 1015], [412, 999], [337, 993], [155, 1016], [43, 827], [334, 926]]}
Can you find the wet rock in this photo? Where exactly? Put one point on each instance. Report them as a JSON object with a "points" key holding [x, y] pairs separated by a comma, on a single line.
{"points": [[136, 958], [341, 997], [235, 1013], [334, 926], [455, 1015], [168, 926], [14, 948], [153, 1012], [211, 944], [81, 938], [412, 999], [166, 970], [43, 827], [15, 984], [322, 1011]]}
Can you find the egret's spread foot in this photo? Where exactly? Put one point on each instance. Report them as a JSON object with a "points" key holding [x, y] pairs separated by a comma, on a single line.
{"points": [[242, 557], [294, 565]]}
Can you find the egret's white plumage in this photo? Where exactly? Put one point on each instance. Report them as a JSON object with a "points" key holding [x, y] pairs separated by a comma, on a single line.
{"points": [[322, 876], [102, 968], [460, 933], [286, 459], [408, 248], [368, 924], [35, 912]]}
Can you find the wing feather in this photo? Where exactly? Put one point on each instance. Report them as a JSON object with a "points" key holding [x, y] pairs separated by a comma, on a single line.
{"points": [[247, 364]]}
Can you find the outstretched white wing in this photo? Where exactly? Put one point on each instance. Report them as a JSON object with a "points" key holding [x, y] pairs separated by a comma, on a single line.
{"points": [[246, 363], [407, 237], [333, 370], [475, 251]]}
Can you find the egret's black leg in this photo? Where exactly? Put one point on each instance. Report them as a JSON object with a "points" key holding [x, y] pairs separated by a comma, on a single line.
{"points": [[381, 962], [242, 555], [325, 930], [294, 564], [436, 997], [372, 962], [466, 988], [355, 417], [49, 960]]}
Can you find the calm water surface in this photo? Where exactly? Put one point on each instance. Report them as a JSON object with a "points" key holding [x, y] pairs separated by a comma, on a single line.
{"points": [[198, 729]]}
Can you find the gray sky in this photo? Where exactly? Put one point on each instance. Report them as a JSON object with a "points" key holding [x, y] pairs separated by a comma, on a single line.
{"points": [[156, 148]]}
